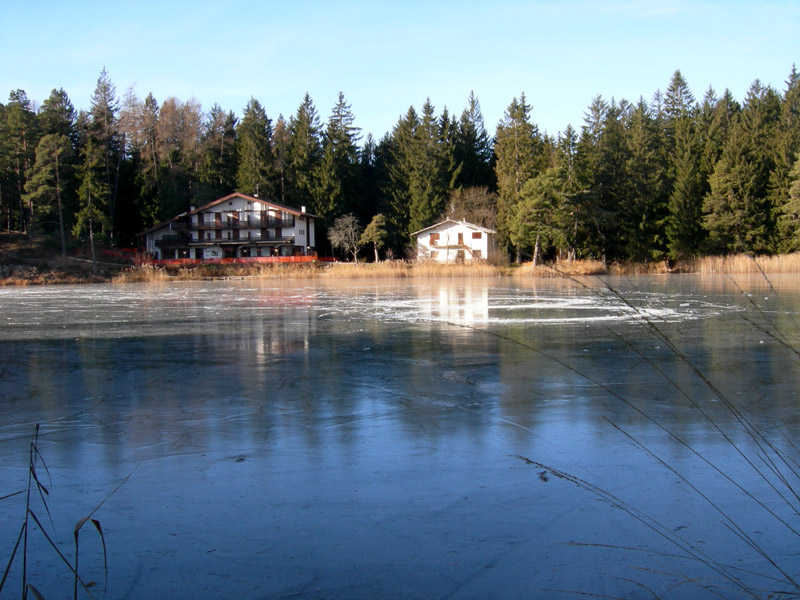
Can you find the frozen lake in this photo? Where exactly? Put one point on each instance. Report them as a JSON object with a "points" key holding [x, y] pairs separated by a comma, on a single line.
{"points": [[434, 439]]}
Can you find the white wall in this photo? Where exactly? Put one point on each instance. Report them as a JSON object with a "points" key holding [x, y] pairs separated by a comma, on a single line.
{"points": [[447, 248]]}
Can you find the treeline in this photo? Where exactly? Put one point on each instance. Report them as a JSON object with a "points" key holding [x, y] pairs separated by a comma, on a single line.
{"points": [[673, 177]]}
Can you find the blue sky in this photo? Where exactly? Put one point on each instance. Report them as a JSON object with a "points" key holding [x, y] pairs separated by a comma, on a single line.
{"points": [[387, 56]]}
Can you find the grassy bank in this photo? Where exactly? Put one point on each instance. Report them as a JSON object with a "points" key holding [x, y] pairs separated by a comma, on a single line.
{"points": [[38, 261]]}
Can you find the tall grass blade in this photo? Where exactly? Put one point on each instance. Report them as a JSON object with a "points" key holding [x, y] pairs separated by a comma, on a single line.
{"points": [[63, 558], [729, 522], [37, 594], [13, 554], [76, 533], [79, 525], [11, 495], [651, 523]]}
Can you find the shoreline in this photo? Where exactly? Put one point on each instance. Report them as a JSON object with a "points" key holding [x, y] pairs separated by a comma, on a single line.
{"points": [[66, 273]]}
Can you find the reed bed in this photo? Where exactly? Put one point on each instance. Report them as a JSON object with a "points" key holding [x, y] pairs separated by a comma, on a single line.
{"points": [[742, 263], [151, 273], [560, 268], [388, 270], [403, 269]]}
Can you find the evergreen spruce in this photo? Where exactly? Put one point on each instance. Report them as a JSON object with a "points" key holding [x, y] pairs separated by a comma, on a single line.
{"points": [[473, 148], [104, 135], [518, 151], [304, 155], [254, 174]]}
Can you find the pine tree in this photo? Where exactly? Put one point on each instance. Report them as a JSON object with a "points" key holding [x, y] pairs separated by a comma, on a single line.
{"points": [[368, 178], [375, 234], [473, 148], [254, 174], [644, 205], [104, 134], [790, 211], [338, 169], [431, 175], [567, 145], [305, 152], [143, 140], [219, 159], [707, 148], [397, 151], [47, 181], [57, 116], [760, 123], [541, 218], [683, 222], [601, 163], [20, 134], [785, 143], [93, 195], [679, 104], [281, 144], [518, 150], [736, 217]]}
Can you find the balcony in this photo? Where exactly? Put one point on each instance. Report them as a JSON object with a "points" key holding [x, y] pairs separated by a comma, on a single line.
{"points": [[254, 238], [253, 223]]}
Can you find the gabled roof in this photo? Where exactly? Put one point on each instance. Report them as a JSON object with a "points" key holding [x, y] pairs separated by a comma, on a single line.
{"points": [[452, 222], [277, 205], [162, 224]]}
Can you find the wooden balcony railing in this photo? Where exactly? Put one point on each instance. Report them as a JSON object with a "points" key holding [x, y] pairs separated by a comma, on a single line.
{"points": [[244, 224]]}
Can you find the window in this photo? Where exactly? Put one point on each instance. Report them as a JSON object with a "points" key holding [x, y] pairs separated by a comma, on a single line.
{"points": [[476, 235], [434, 239], [302, 231], [460, 239], [434, 254], [477, 254]]}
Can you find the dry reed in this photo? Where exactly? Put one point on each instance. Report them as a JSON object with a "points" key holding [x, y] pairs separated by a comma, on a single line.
{"points": [[402, 269], [151, 273], [37, 472], [560, 268], [742, 263]]}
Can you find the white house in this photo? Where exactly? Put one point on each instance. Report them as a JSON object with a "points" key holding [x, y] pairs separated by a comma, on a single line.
{"points": [[455, 241], [236, 226]]}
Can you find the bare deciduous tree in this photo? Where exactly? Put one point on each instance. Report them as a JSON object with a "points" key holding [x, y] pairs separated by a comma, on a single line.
{"points": [[345, 234], [475, 205]]}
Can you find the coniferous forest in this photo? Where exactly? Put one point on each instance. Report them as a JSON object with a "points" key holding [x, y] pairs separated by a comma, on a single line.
{"points": [[674, 176]]}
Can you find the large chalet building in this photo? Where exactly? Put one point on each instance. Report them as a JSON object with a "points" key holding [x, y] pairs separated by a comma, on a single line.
{"points": [[236, 226]]}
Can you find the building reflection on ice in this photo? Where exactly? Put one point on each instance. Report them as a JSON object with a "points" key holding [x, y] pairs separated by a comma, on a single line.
{"points": [[464, 305]]}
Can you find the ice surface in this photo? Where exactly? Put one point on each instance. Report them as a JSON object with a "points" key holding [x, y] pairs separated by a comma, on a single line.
{"points": [[383, 439]]}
